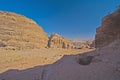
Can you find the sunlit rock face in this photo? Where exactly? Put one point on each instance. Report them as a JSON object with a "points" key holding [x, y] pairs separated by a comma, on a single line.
{"points": [[109, 30], [19, 32], [56, 41]]}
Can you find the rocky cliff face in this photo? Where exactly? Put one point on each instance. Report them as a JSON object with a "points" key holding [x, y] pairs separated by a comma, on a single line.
{"points": [[19, 32], [56, 41], [109, 30]]}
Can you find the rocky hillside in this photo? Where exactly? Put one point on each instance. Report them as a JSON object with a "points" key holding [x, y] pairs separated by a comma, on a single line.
{"points": [[109, 29], [80, 44], [56, 41], [101, 64], [19, 32]]}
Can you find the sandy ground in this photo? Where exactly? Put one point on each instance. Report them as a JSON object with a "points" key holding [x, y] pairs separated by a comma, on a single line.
{"points": [[105, 65], [29, 58]]}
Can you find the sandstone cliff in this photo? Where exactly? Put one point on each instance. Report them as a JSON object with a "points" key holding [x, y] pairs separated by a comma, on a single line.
{"points": [[19, 32], [56, 41], [109, 30]]}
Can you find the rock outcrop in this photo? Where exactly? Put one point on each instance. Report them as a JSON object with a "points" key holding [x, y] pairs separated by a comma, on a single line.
{"points": [[19, 32], [80, 44], [56, 41], [109, 30]]}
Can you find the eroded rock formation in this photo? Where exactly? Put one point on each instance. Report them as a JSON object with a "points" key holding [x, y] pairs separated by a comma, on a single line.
{"points": [[56, 41], [19, 32], [80, 44], [109, 30]]}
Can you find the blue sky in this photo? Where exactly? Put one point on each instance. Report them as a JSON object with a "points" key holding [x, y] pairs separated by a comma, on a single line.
{"points": [[69, 18]]}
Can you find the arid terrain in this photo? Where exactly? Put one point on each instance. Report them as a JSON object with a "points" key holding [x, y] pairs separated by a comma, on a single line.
{"points": [[24, 44], [58, 58], [10, 59]]}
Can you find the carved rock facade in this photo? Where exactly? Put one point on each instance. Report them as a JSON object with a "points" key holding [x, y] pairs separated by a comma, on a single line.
{"points": [[56, 41]]}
